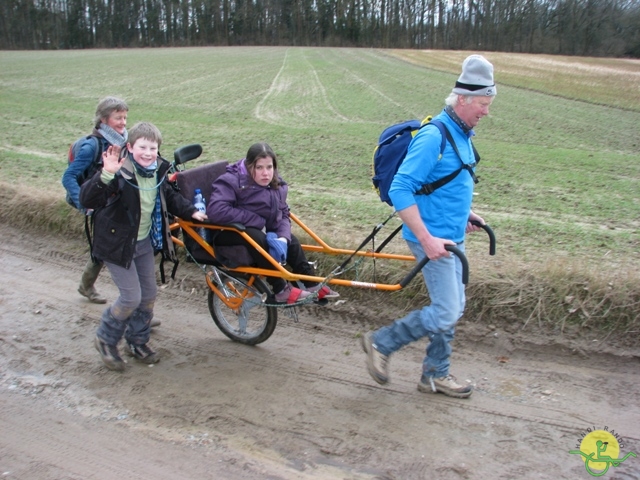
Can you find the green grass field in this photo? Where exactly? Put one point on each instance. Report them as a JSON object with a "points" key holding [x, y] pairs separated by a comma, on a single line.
{"points": [[560, 167]]}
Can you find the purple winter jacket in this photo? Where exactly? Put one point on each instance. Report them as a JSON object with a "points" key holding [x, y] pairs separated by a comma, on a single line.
{"points": [[237, 198]]}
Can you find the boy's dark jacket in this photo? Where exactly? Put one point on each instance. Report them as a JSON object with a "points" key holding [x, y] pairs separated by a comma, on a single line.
{"points": [[116, 216]]}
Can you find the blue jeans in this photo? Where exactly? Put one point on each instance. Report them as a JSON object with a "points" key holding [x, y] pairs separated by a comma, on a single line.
{"points": [[436, 321], [131, 314]]}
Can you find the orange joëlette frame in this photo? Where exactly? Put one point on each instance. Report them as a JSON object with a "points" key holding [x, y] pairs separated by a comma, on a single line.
{"points": [[189, 228]]}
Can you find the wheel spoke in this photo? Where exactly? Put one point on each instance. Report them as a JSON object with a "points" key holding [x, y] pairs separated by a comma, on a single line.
{"points": [[252, 321]]}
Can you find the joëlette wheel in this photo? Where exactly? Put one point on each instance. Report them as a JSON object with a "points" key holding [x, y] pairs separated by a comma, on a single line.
{"points": [[243, 316]]}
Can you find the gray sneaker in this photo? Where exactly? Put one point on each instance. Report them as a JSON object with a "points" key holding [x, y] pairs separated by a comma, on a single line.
{"points": [[446, 385], [110, 355], [377, 363]]}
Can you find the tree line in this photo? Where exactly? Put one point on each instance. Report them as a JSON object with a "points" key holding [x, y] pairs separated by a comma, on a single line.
{"points": [[567, 27]]}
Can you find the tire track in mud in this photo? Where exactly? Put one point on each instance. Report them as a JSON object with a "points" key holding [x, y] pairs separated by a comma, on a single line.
{"points": [[47, 443], [304, 395], [343, 371], [356, 376], [55, 444]]}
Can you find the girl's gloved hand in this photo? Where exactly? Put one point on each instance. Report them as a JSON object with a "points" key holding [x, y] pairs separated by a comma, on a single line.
{"points": [[277, 247]]}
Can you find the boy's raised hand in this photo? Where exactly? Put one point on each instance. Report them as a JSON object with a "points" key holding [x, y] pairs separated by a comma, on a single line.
{"points": [[111, 161]]}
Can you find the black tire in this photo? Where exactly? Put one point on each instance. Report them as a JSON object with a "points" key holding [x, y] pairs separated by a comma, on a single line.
{"points": [[258, 320]]}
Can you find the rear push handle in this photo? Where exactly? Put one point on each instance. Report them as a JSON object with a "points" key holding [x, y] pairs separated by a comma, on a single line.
{"points": [[453, 249], [492, 237]]}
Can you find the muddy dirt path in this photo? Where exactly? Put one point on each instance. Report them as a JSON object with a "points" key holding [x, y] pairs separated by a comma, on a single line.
{"points": [[299, 406]]}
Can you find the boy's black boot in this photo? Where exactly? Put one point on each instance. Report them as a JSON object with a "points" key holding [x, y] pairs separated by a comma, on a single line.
{"points": [[143, 353], [110, 355]]}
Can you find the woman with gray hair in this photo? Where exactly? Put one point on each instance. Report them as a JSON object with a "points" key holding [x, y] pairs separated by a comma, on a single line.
{"points": [[109, 129]]}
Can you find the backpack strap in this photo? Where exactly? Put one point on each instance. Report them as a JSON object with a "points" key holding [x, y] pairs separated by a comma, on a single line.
{"points": [[429, 188], [173, 270], [96, 156], [96, 141], [95, 162], [88, 231], [98, 153], [88, 225]]}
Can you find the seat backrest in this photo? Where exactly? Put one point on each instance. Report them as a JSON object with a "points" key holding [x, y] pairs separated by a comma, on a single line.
{"points": [[200, 177]]}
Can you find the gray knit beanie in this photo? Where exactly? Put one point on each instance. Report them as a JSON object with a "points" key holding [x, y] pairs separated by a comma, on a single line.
{"points": [[476, 78]]}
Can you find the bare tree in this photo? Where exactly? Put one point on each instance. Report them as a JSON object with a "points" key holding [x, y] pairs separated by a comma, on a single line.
{"points": [[574, 27]]}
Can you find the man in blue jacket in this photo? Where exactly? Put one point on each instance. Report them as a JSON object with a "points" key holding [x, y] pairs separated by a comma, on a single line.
{"points": [[431, 222]]}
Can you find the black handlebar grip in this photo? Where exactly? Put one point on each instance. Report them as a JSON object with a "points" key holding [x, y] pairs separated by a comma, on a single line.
{"points": [[451, 248], [465, 264], [492, 237]]}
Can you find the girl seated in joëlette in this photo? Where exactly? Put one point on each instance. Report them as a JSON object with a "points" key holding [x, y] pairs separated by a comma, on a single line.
{"points": [[253, 194]]}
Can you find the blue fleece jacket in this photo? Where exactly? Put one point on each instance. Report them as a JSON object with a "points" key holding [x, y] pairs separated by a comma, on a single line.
{"points": [[79, 166], [446, 211]]}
